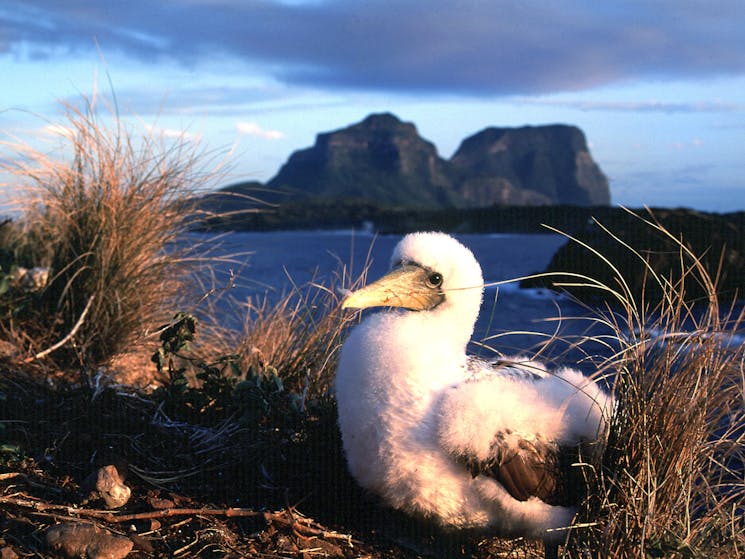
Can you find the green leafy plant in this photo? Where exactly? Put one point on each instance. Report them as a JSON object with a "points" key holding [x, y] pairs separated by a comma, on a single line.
{"points": [[175, 337], [9, 452], [215, 390]]}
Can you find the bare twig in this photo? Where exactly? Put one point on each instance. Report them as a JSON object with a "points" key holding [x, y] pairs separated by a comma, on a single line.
{"points": [[9, 475], [67, 338], [299, 525]]}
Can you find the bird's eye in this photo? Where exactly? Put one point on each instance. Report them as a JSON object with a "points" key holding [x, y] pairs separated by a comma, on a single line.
{"points": [[434, 279]]}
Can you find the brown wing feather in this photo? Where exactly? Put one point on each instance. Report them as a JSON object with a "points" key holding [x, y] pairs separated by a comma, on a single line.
{"points": [[527, 468]]}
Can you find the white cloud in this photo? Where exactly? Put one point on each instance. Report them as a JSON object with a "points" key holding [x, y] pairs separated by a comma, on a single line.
{"points": [[253, 129], [694, 143], [172, 133], [449, 47]]}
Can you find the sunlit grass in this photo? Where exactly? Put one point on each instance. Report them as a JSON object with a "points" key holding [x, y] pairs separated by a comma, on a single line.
{"points": [[672, 480], [104, 216]]}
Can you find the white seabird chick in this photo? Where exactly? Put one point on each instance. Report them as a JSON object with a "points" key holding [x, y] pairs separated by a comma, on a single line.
{"points": [[441, 435]]}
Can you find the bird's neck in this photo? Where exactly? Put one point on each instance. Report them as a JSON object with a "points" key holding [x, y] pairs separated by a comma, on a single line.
{"points": [[434, 349]]}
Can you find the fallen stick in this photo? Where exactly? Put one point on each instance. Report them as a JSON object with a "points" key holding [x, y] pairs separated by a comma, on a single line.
{"points": [[111, 518], [298, 525], [67, 338]]}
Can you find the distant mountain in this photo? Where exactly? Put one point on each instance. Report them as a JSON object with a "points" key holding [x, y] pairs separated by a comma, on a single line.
{"points": [[530, 165], [384, 162], [380, 159]]}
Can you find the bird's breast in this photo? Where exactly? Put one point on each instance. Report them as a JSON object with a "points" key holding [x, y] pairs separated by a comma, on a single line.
{"points": [[389, 377]]}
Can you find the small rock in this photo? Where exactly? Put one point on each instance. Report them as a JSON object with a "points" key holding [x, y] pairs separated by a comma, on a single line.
{"points": [[30, 280], [82, 540], [108, 484]]}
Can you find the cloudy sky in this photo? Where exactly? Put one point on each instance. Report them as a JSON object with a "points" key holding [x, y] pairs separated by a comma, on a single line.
{"points": [[658, 86]]}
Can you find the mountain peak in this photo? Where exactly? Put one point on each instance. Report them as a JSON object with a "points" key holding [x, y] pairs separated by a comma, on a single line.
{"points": [[383, 160], [381, 120], [380, 159], [552, 161]]}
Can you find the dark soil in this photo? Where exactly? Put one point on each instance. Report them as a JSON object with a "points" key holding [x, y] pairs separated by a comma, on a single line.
{"points": [[224, 488]]}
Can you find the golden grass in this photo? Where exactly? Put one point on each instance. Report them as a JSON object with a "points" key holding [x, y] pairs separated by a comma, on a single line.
{"points": [[298, 336], [672, 480], [105, 218]]}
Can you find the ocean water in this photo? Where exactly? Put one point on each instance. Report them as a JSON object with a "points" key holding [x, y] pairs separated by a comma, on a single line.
{"points": [[270, 262], [512, 320]]}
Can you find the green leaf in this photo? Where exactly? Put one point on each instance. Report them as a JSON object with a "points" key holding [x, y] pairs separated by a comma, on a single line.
{"points": [[159, 358], [4, 285]]}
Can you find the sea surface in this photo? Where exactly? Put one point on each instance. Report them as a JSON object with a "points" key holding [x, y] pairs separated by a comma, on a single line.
{"points": [[512, 320]]}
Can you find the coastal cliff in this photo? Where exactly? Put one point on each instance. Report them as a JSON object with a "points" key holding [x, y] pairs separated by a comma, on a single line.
{"points": [[382, 164]]}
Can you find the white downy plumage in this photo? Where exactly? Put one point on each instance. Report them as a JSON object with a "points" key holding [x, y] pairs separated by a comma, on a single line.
{"points": [[445, 436]]}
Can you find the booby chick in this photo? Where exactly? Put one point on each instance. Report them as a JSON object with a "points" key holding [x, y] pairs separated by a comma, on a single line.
{"points": [[441, 435]]}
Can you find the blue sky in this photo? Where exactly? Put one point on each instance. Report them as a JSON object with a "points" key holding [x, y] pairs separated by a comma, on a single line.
{"points": [[657, 86]]}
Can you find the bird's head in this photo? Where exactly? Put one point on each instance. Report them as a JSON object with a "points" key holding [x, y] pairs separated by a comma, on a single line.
{"points": [[428, 271]]}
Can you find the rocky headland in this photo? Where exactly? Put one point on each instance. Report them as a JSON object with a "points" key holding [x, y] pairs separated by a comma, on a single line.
{"points": [[381, 174], [647, 254], [382, 165]]}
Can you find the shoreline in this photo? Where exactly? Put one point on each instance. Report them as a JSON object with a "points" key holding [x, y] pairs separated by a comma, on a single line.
{"points": [[370, 218]]}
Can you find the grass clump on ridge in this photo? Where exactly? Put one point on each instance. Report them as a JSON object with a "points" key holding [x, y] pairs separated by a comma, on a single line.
{"points": [[103, 221], [671, 482], [283, 357]]}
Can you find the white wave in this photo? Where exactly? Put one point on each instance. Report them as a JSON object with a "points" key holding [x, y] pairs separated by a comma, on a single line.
{"points": [[513, 287]]}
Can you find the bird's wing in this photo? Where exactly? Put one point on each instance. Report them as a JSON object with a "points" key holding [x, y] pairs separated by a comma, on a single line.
{"points": [[498, 424], [523, 467]]}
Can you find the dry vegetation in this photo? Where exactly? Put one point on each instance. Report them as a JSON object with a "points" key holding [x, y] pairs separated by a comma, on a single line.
{"points": [[104, 221], [672, 480], [241, 436]]}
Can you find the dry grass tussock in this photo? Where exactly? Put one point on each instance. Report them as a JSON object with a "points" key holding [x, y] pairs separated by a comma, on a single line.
{"points": [[672, 480], [103, 217], [299, 335]]}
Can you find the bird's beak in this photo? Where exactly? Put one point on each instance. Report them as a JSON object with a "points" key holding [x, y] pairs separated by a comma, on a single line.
{"points": [[404, 287]]}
